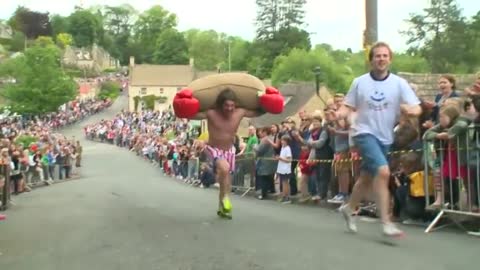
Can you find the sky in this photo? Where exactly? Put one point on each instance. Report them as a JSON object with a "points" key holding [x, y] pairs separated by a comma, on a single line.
{"points": [[339, 23]]}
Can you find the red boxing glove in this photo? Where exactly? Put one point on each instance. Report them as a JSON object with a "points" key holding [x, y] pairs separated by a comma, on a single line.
{"points": [[185, 105], [272, 101]]}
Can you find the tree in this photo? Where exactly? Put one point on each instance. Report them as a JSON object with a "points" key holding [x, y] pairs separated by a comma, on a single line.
{"points": [[149, 26], [293, 13], [436, 34], [409, 63], [268, 19], [15, 21], [18, 42], [119, 19], [471, 53], [13, 67], [171, 48], [64, 40], [207, 48], [59, 25], [273, 15], [239, 54], [278, 31], [281, 43], [84, 28], [41, 84], [299, 64], [44, 41], [118, 22], [33, 24], [292, 37]]}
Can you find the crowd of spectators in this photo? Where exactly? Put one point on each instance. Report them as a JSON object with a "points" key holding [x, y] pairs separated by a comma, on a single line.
{"points": [[35, 153], [325, 160], [158, 137]]}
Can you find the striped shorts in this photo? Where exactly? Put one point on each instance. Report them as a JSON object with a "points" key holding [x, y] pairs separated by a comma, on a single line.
{"points": [[215, 154]]}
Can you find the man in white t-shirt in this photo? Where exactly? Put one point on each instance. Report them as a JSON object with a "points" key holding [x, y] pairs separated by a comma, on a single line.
{"points": [[378, 98]]}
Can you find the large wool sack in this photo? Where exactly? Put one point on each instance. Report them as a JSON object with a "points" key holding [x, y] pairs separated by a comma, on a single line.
{"points": [[246, 87]]}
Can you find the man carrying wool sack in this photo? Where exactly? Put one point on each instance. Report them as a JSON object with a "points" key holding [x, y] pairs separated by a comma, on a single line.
{"points": [[223, 121]]}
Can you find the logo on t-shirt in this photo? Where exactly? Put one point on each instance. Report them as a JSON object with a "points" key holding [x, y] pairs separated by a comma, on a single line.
{"points": [[377, 101]]}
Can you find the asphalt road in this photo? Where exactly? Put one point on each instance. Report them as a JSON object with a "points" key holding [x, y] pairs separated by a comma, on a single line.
{"points": [[123, 214]]}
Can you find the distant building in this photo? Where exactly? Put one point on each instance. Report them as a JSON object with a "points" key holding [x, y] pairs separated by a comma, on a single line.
{"points": [[6, 31], [95, 58], [161, 81]]}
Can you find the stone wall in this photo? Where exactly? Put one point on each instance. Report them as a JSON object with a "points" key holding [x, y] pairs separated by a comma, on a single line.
{"points": [[427, 83]]}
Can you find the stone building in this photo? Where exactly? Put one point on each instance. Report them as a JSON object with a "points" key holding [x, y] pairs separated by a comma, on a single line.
{"points": [[161, 82], [95, 58], [427, 83]]}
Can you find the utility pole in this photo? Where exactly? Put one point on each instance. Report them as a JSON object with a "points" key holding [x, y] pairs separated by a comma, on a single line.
{"points": [[229, 56], [370, 36]]}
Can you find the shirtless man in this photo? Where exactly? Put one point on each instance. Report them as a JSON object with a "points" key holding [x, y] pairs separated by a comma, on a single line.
{"points": [[223, 122]]}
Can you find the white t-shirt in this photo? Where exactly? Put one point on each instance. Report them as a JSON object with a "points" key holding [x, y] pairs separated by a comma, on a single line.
{"points": [[378, 104], [285, 167], [351, 119]]}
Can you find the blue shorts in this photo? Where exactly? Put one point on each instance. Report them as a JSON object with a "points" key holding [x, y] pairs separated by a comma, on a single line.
{"points": [[372, 152]]}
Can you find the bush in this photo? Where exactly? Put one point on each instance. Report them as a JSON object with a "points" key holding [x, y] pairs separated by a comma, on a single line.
{"points": [[76, 72], [299, 65], [25, 140], [110, 70], [149, 101], [109, 90]]}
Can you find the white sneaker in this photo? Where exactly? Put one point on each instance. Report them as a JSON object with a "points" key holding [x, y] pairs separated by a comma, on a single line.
{"points": [[389, 229], [347, 215], [335, 199]]}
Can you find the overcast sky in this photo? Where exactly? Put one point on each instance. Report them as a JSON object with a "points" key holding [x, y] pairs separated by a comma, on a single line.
{"points": [[337, 22]]}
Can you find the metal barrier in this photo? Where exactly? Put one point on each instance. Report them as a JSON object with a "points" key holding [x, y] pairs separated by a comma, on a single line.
{"points": [[5, 191], [243, 178], [452, 174]]}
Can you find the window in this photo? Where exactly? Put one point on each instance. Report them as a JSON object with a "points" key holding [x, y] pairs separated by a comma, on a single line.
{"points": [[161, 90], [143, 91]]}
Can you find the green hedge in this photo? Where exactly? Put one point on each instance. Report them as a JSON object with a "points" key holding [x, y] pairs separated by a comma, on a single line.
{"points": [[149, 101], [80, 73], [110, 70]]}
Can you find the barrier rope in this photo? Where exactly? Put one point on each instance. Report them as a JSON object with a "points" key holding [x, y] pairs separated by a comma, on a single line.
{"points": [[355, 158]]}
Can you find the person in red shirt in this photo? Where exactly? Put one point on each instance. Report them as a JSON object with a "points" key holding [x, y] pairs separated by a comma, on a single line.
{"points": [[306, 170]]}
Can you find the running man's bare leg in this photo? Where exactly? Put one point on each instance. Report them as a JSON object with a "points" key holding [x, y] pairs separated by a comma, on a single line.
{"points": [[223, 179], [380, 185], [383, 201], [228, 184], [360, 190]]}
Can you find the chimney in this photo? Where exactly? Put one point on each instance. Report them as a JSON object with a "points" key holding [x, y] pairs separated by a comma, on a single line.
{"points": [[132, 61], [192, 62]]}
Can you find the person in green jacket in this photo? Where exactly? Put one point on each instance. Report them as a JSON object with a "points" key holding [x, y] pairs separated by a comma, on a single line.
{"points": [[449, 136]]}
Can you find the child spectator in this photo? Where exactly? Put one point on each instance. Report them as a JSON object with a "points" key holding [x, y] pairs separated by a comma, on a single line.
{"points": [[284, 168]]}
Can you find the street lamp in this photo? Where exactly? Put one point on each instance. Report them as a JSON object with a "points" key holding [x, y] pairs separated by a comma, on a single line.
{"points": [[317, 71]]}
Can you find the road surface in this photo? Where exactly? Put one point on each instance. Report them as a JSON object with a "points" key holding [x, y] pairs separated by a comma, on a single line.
{"points": [[123, 214]]}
